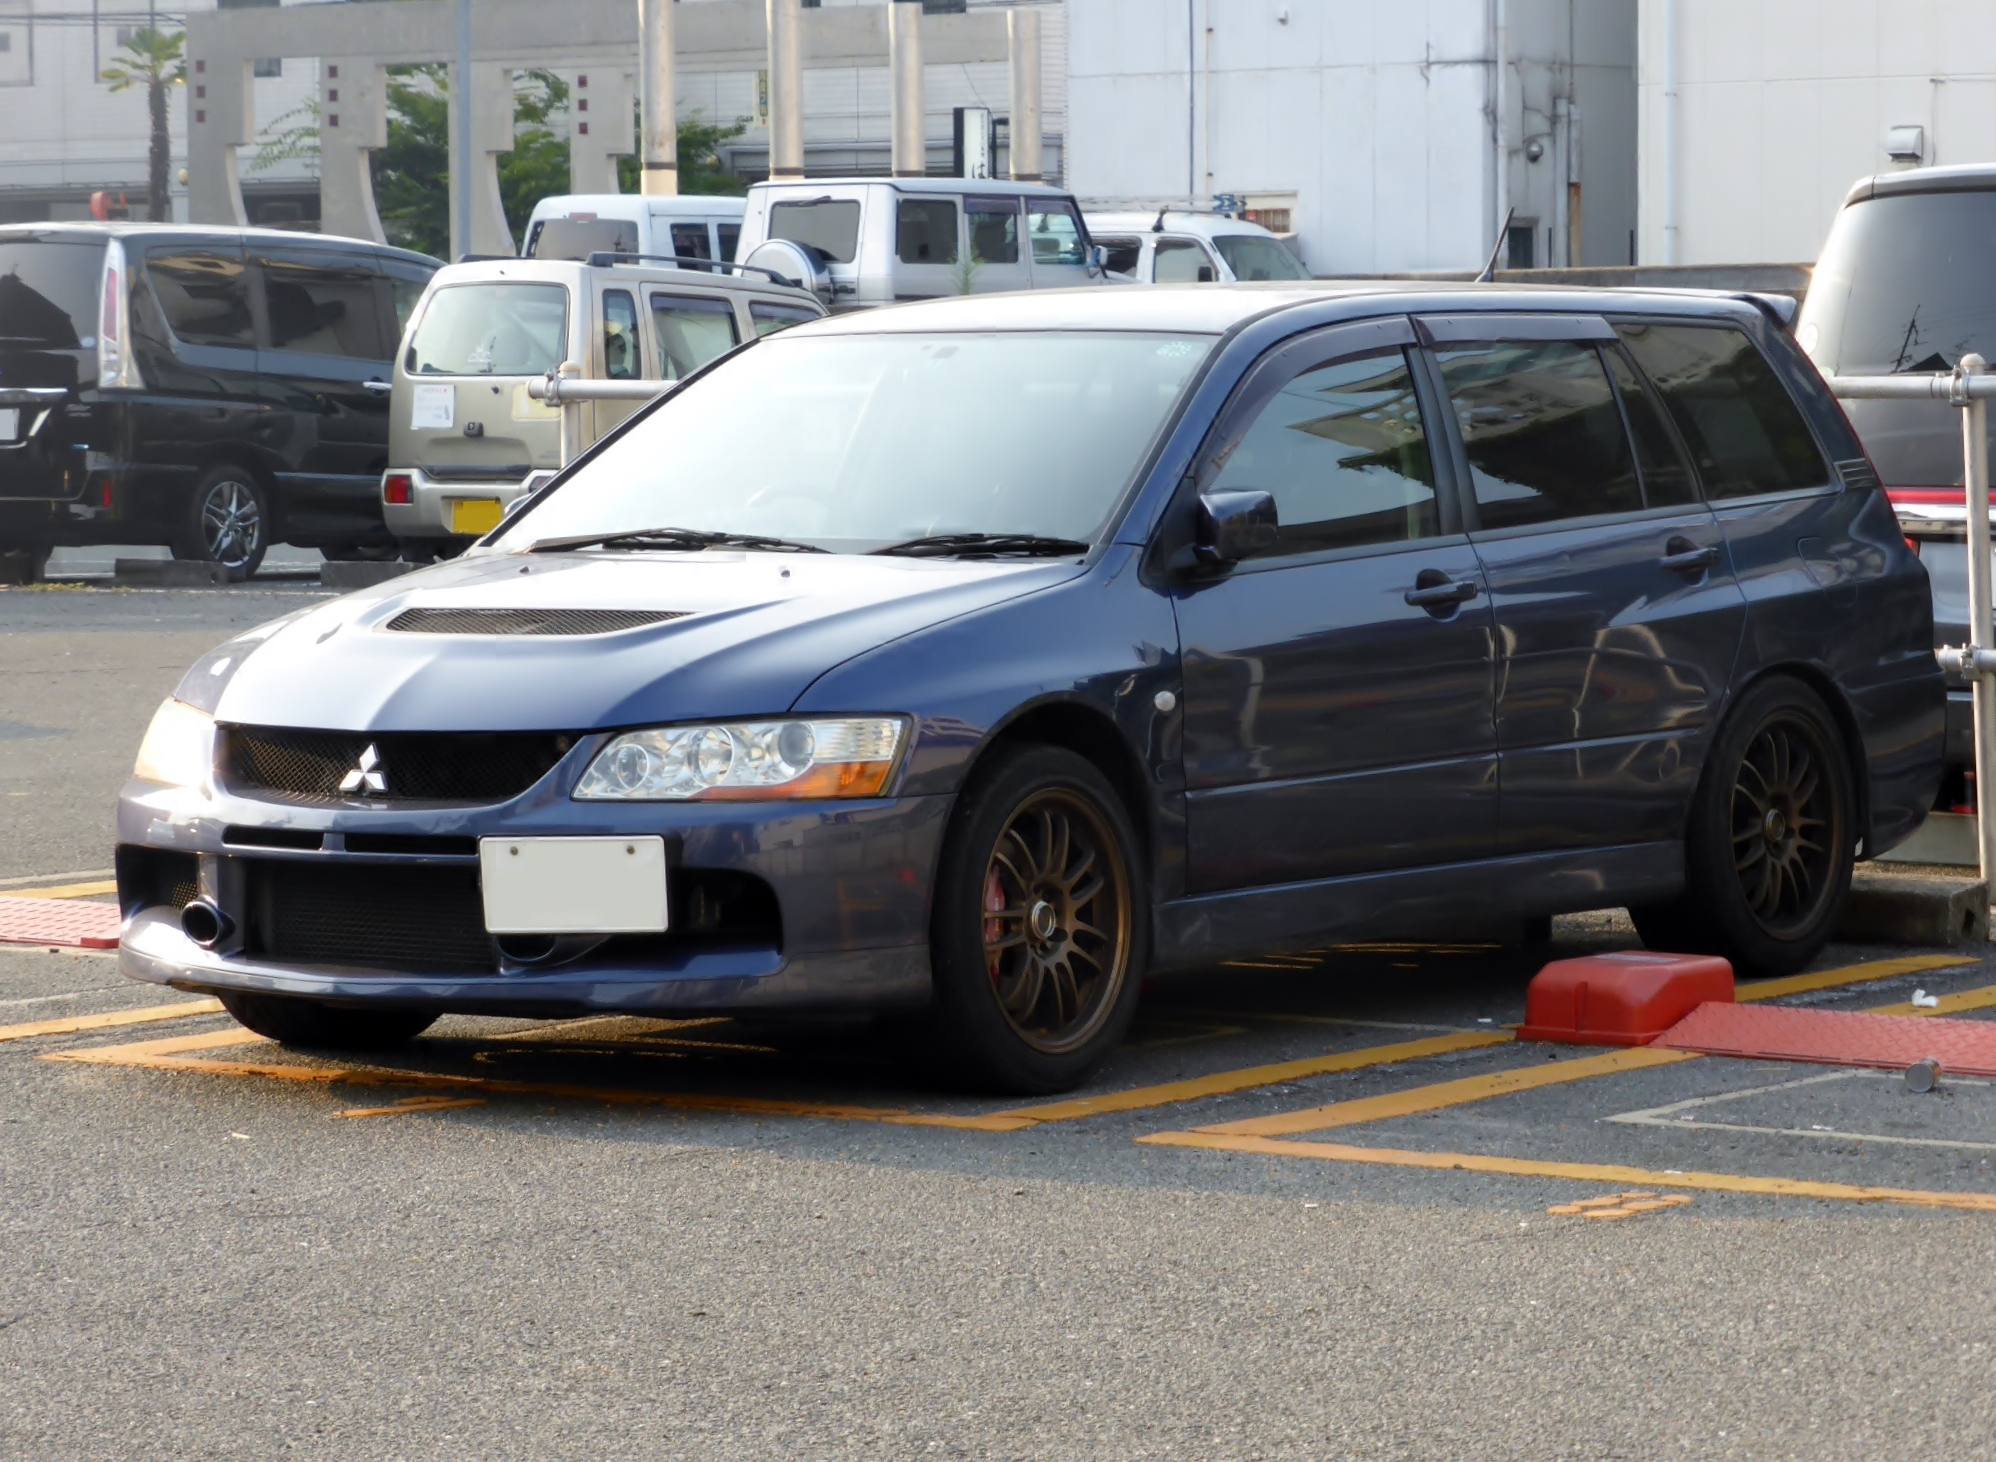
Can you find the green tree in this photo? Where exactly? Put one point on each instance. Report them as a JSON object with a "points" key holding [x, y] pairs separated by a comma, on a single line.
{"points": [[155, 60], [700, 168]]}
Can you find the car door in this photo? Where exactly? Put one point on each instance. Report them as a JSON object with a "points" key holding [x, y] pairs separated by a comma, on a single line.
{"points": [[1338, 687], [1057, 243], [927, 245], [620, 342], [194, 333], [1618, 613], [991, 225]]}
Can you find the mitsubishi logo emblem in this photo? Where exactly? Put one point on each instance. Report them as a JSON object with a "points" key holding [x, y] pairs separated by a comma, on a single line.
{"points": [[367, 775]]}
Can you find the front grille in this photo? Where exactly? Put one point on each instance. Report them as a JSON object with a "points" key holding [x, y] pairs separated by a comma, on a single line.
{"points": [[411, 766], [374, 916], [527, 621]]}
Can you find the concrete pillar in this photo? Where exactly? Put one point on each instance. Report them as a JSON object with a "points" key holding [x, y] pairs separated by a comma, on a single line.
{"points": [[660, 173], [353, 124], [786, 92], [904, 50], [1024, 30], [600, 130], [221, 116], [491, 134]]}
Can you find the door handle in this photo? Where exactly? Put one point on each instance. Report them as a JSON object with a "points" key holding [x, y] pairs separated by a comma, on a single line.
{"points": [[1682, 556], [1447, 592], [379, 388]]}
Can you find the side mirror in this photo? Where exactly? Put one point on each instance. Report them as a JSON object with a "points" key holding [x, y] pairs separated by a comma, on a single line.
{"points": [[1205, 273], [1098, 259], [1235, 523]]}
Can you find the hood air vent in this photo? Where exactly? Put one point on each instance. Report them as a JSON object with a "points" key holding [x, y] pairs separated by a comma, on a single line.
{"points": [[527, 621]]}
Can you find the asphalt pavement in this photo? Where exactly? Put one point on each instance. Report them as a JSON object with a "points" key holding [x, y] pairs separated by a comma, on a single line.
{"points": [[646, 1239]]}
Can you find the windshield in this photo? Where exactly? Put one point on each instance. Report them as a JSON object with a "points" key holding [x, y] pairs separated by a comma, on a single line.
{"points": [[1253, 257], [855, 442], [48, 294], [1904, 284], [491, 330]]}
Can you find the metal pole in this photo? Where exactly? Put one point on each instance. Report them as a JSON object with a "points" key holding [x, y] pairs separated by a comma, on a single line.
{"points": [[1669, 149], [1981, 634], [1023, 36], [659, 175], [460, 136], [786, 92], [910, 148]]}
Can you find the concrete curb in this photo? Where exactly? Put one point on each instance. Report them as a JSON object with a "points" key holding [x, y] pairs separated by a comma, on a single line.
{"points": [[345, 576], [1913, 909], [171, 573]]}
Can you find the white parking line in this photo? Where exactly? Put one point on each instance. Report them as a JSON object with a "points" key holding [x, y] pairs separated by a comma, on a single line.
{"points": [[1675, 1116]]}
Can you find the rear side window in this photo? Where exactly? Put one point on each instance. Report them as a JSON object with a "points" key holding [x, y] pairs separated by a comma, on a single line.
{"points": [[730, 235], [994, 230], [48, 294], [620, 336], [578, 238], [691, 331], [1666, 483], [1178, 261], [829, 225], [925, 231], [689, 241], [1743, 430], [1252, 257], [491, 330], [1343, 451], [204, 294], [322, 304], [770, 317], [1542, 430], [407, 281], [1055, 229]]}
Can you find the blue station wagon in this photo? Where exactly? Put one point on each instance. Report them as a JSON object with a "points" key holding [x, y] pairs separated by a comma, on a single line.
{"points": [[969, 660]]}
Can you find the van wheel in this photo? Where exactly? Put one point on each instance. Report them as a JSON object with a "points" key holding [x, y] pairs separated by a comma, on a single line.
{"points": [[24, 563], [225, 522], [1770, 844], [309, 1023], [1038, 935]]}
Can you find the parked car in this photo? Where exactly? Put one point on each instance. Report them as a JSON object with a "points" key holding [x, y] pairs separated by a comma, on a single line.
{"points": [[1173, 247], [467, 438], [579, 225], [1904, 285], [971, 659], [859, 242], [215, 390]]}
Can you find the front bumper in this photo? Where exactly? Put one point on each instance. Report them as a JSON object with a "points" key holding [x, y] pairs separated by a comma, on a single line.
{"points": [[851, 882], [433, 507]]}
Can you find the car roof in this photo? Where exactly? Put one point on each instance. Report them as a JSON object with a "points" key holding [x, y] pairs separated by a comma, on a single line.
{"points": [[1965, 178], [1202, 225], [952, 187], [631, 205], [1213, 309], [569, 271], [89, 232]]}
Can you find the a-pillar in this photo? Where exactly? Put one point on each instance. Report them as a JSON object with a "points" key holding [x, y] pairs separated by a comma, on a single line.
{"points": [[353, 124], [221, 116], [491, 134], [600, 129]]}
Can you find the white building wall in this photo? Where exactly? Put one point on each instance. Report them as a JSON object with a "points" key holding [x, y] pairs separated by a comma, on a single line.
{"points": [[1783, 104]]}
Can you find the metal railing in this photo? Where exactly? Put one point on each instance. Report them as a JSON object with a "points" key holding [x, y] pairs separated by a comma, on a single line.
{"points": [[565, 387], [1969, 389]]}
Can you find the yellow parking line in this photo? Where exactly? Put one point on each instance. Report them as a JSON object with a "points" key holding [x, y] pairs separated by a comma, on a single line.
{"points": [[1578, 1171], [65, 1025], [1979, 999], [1878, 969], [414, 1104], [61, 891]]}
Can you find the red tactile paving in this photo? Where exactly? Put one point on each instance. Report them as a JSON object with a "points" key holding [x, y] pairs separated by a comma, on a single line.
{"points": [[1835, 1037], [64, 923]]}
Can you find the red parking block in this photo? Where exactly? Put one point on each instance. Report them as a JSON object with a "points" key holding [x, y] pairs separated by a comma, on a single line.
{"points": [[62, 923], [1625, 999], [1836, 1038]]}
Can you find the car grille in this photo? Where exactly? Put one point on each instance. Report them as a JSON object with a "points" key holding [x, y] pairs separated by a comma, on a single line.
{"points": [[392, 917], [527, 621], [412, 766]]}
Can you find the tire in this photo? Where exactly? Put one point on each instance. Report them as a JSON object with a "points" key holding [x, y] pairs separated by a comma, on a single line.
{"points": [[1770, 841], [24, 563], [371, 552], [296, 1022], [226, 521], [1040, 928]]}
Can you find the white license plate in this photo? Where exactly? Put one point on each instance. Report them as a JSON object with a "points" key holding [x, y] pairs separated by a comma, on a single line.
{"points": [[10, 423], [573, 885]]}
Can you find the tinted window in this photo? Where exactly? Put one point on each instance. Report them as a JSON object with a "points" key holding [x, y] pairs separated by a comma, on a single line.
{"points": [[829, 225], [1904, 284], [204, 293], [1252, 257], [1666, 483], [48, 294], [1743, 430], [578, 238], [1542, 429], [408, 282], [491, 330], [323, 304], [691, 331], [689, 241], [925, 231], [994, 230], [1344, 453], [620, 336], [1178, 261], [769, 318], [1120, 256], [730, 235], [1055, 229]]}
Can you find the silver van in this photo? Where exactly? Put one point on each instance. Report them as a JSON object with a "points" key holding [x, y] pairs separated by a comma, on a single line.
{"points": [[465, 435], [686, 226]]}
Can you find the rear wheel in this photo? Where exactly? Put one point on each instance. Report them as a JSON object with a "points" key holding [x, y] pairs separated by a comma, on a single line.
{"points": [[1771, 838], [24, 562], [298, 1022], [1038, 932], [226, 522]]}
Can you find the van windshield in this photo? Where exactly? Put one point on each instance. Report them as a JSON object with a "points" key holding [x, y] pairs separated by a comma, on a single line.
{"points": [[48, 294], [1904, 285], [1252, 257], [491, 330], [851, 443]]}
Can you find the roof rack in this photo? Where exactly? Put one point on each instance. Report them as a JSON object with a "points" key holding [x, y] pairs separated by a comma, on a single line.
{"points": [[605, 260]]}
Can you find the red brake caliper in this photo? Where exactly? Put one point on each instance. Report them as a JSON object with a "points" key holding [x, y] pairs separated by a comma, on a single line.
{"points": [[994, 929]]}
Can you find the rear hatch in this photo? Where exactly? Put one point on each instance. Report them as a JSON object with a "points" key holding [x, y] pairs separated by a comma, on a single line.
{"points": [[49, 303]]}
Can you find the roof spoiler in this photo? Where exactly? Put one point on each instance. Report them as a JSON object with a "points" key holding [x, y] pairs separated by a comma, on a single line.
{"points": [[1780, 308]]}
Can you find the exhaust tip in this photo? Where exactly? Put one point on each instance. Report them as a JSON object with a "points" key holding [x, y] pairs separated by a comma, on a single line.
{"points": [[205, 924]]}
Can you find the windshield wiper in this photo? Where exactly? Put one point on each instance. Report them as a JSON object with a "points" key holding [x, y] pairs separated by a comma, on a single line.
{"points": [[986, 545], [672, 538]]}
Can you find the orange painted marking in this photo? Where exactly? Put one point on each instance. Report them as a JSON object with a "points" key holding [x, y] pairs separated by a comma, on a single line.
{"points": [[66, 1025]]}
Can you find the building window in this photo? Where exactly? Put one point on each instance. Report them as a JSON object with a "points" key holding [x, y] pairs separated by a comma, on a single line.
{"points": [[6, 41], [267, 66]]}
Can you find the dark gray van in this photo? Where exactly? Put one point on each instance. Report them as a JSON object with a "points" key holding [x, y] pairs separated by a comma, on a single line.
{"points": [[214, 390]]}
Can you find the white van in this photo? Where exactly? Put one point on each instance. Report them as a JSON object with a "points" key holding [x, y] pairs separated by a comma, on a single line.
{"points": [[1171, 247], [576, 225]]}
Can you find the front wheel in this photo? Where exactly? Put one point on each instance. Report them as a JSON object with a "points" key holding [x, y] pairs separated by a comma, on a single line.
{"points": [[1770, 843], [1038, 934], [225, 522], [295, 1022]]}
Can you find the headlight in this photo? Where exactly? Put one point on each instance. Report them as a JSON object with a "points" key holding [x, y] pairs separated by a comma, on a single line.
{"points": [[745, 760], [179, 748]]}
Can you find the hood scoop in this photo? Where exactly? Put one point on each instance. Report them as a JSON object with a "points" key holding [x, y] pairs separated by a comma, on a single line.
{"points": [[527, 621]]}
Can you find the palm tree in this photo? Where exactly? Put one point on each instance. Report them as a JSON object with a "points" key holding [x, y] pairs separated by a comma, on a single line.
{"points": [[155, 60]]}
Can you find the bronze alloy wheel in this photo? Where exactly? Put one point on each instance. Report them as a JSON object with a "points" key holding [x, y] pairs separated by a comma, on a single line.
{"points": [[1787, 822], [1056, 935]]}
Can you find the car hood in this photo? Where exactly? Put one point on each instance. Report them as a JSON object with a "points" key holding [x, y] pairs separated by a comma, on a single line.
{"points": [[753, 631]]}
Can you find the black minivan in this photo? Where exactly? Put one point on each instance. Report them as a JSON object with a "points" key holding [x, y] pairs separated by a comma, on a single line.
{"points": [[213, 389]]}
